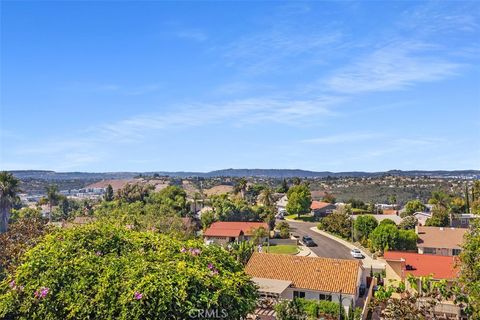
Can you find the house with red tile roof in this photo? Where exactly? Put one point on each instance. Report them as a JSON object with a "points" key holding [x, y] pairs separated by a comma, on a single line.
{"points": [[223, 232], [322, 209], [281, 276], [400, 265]]}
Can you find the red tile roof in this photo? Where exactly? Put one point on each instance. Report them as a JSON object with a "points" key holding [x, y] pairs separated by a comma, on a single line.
{"points": [[316, 205], [390, 211], [440, 267], [233, 229]]}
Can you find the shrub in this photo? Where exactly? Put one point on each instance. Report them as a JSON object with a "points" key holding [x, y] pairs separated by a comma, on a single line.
{"points": [[108, 272], [337, 223]]}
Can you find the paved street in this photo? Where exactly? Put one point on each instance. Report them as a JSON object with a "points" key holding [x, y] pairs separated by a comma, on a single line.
{"points": [[326, 247]]}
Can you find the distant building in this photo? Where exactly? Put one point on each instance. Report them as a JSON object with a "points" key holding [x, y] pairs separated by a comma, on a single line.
{"points": [[322, 209], [224, 232], [439, 240], [286, 277], [422, 217]]}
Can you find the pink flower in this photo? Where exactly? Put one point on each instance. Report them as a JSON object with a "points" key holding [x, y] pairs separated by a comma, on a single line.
{"points": [[42, 293], [98, 253], [137, 295], [195, 252], [12, 284], [183, 250], [210, 266], [214, 272]]}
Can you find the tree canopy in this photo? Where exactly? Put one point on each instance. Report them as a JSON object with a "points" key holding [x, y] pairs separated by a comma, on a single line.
{"points": [[299, 200], [107, 272]]}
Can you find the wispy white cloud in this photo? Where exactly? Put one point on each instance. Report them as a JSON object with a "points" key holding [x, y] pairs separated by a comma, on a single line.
{"points": [[394, 66], [343, 138]]}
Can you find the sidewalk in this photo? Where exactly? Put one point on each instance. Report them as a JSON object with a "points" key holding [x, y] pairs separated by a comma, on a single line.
{"points": [[367, 261], [305, 252]]}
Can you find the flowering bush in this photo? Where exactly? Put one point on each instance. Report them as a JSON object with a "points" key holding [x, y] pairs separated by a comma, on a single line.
{"points": [[107, 272]]}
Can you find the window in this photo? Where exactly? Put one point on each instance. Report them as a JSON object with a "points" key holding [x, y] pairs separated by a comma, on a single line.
{"points": [[429, 250], [456, 252], [327, 297], [298, 294]]}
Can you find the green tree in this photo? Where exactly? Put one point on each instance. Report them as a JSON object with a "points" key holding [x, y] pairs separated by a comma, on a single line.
{"points": [[9, 187], [266, 197], [283, 187], [408, 223], [290, 310], [470, 268], [101, 271], [284, 230], [241, 187], [134, 192], [109, 193], [413, 206], [53, 197], [170, 200], [207, 218], [338, 223], [439, 218], [384, 237], [258, 235], [363, 226], [299, 200]]}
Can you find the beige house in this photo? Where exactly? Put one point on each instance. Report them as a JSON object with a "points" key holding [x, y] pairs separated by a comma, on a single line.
{"points": [[286, 277], [441, 241]]}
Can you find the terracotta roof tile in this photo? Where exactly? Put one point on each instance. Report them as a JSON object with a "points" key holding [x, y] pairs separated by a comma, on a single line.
{"points": [[316, 205], [440, 267], [311, 273], [233, 229]]}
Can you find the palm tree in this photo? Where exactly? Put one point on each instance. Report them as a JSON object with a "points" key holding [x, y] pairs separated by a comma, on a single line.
{"points": [[52, 196], [241, 187], [9, 187], [266, 197]]}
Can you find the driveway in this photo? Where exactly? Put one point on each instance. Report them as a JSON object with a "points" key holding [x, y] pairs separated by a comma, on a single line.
{"points": [[326, 247]]}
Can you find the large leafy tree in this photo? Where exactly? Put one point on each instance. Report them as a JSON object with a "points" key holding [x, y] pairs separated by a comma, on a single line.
{"points": [[9, 187], [299, 200], [241, 187], [101, 271], [364, 225], [414, 206], [171, 199], [388, 237], [134, 192], [338, 223]]}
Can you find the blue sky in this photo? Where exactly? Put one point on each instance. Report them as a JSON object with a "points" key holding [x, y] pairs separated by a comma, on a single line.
{"points": [[153, 86]]}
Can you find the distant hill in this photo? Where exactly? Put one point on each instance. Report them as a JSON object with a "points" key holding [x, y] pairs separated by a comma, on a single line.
{"points": [[267, 173]]}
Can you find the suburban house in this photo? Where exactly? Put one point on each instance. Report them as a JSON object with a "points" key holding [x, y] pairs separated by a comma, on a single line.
{"points": [[322, 209], [442, 241], [280, 276], [225, 232], [463, 220], [401, 264], [422, 217]]}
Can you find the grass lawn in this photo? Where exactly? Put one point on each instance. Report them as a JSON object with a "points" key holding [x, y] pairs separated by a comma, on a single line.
{"points": [[281, 248], [303, 217]]}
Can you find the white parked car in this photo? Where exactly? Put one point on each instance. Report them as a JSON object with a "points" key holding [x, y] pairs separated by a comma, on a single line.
{"points": [[357, 254]]}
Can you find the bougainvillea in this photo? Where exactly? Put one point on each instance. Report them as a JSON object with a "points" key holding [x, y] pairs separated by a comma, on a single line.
{"points": [[107, 272]]}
